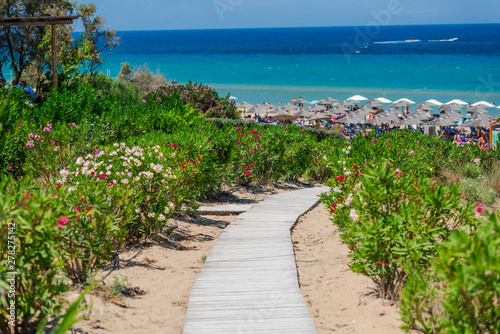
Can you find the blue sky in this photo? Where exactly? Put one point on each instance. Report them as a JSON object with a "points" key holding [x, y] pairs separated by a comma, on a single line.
{"points": [[219, 14]]}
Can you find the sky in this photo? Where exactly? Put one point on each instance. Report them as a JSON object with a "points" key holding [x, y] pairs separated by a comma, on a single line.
{"points": [[123, 15]]}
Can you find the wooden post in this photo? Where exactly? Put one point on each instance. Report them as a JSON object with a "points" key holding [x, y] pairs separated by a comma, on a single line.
{"points": [[491, 137], [54, 57]]}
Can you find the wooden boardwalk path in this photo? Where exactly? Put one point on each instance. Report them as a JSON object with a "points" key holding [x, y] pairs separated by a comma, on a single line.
{"points": [[249, 281]]}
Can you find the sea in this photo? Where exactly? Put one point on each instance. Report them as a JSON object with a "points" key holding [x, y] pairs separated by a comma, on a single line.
{"points": [[420, 62]]}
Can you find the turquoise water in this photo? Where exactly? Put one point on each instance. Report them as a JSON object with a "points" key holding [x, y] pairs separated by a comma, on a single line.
{"points": [[442, 62], [445, 62]]}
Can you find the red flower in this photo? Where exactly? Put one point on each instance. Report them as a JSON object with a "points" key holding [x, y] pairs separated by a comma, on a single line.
{"points": [[89, 207], [78, 209], [77, 217], [53, 194], [9, 168], [58, 185], [252, 164], [93, 173], [341, 200], [332, 210]]}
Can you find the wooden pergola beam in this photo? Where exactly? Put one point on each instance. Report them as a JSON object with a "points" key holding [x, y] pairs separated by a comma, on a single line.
{"points": [[42, 21]]}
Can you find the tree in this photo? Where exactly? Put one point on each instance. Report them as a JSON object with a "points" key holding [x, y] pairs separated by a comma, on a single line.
{"points": [[101, 40], [125, 73], [21, 42], [30, 47]]}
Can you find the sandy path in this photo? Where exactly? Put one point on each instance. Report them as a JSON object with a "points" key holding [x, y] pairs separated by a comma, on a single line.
{"points": [[338, 299]]}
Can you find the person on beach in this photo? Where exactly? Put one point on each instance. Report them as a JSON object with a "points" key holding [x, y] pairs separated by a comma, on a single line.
{"points": [[483, 141], [294, 101]]}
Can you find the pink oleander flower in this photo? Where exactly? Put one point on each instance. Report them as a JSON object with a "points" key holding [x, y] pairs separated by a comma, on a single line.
{"points": [[31, 143], [49, 126], [46, 129], [89, 207], [53, 142], [73, 124], [9, 168], [77, 217], [410, 152], [56, 148], [479, 208], [37, 137], [31, 135]]}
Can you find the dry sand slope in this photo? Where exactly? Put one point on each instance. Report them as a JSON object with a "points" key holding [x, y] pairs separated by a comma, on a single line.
{"points": [[339, 300], [168, 267]]}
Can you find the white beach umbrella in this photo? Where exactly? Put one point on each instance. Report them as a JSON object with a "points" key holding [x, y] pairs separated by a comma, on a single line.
{"points": [[456, 101], [382, 100], [357, 98], [433, 102], [405, 100], [233, 98], [483, 104]]}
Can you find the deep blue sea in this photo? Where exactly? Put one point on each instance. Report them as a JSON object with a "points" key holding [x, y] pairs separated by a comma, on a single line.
{"points": [[443, 62]]}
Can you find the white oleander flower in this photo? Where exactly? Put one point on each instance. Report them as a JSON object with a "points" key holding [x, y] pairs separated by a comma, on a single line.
{"points": [[138, 210], [124, 181], [64, 173], [353, 215], [151, 215], [161, 217], [80, 161]]}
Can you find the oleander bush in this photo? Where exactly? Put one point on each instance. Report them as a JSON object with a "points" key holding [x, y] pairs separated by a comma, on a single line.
{"points": [[204, 99], [390, 220], [459, 293], [34, 218]]}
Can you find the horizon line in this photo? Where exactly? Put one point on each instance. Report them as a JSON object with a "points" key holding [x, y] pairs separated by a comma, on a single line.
{"points": [[306, 27]]}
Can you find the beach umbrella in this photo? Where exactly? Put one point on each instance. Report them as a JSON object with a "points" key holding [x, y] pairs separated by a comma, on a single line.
{"points": [[410, 121], [304, 113], [477, 109], [302, 101], [477, 122], [498, 107], [434, 103], [382, 100], [321, 116], [379, 120], [244, 105], [420, 114], [283, 115], [398, 104], [268, 106], [483, 104], [315, 107], [350, 119], [363, 111], [373, 104], [453, 106], [425, 106], [457, 102], [255, 110], [233, 98], [338, 109], [481, 115], [356, 98], [454, 115], [327, 101], [407, 101], [442, 121]]}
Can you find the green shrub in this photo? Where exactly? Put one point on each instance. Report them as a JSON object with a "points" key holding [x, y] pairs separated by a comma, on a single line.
{"points": [[203, 99], [476, 190], [390, 220], [29, 222], [460, 292], [471, 170]]}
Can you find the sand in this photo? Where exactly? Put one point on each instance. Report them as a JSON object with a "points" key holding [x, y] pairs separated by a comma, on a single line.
{"points": [[339, 300], [168, 266]]}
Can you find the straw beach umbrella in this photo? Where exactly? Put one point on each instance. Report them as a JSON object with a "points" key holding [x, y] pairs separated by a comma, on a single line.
{"points": [[283, 115], [442, 121], [477, 109], [453, 106], [338, 109], [244, 105], [477, 122], [327, 101]]}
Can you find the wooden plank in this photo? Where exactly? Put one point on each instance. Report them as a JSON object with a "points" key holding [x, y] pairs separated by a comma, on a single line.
{"points": [[249, 281]]}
